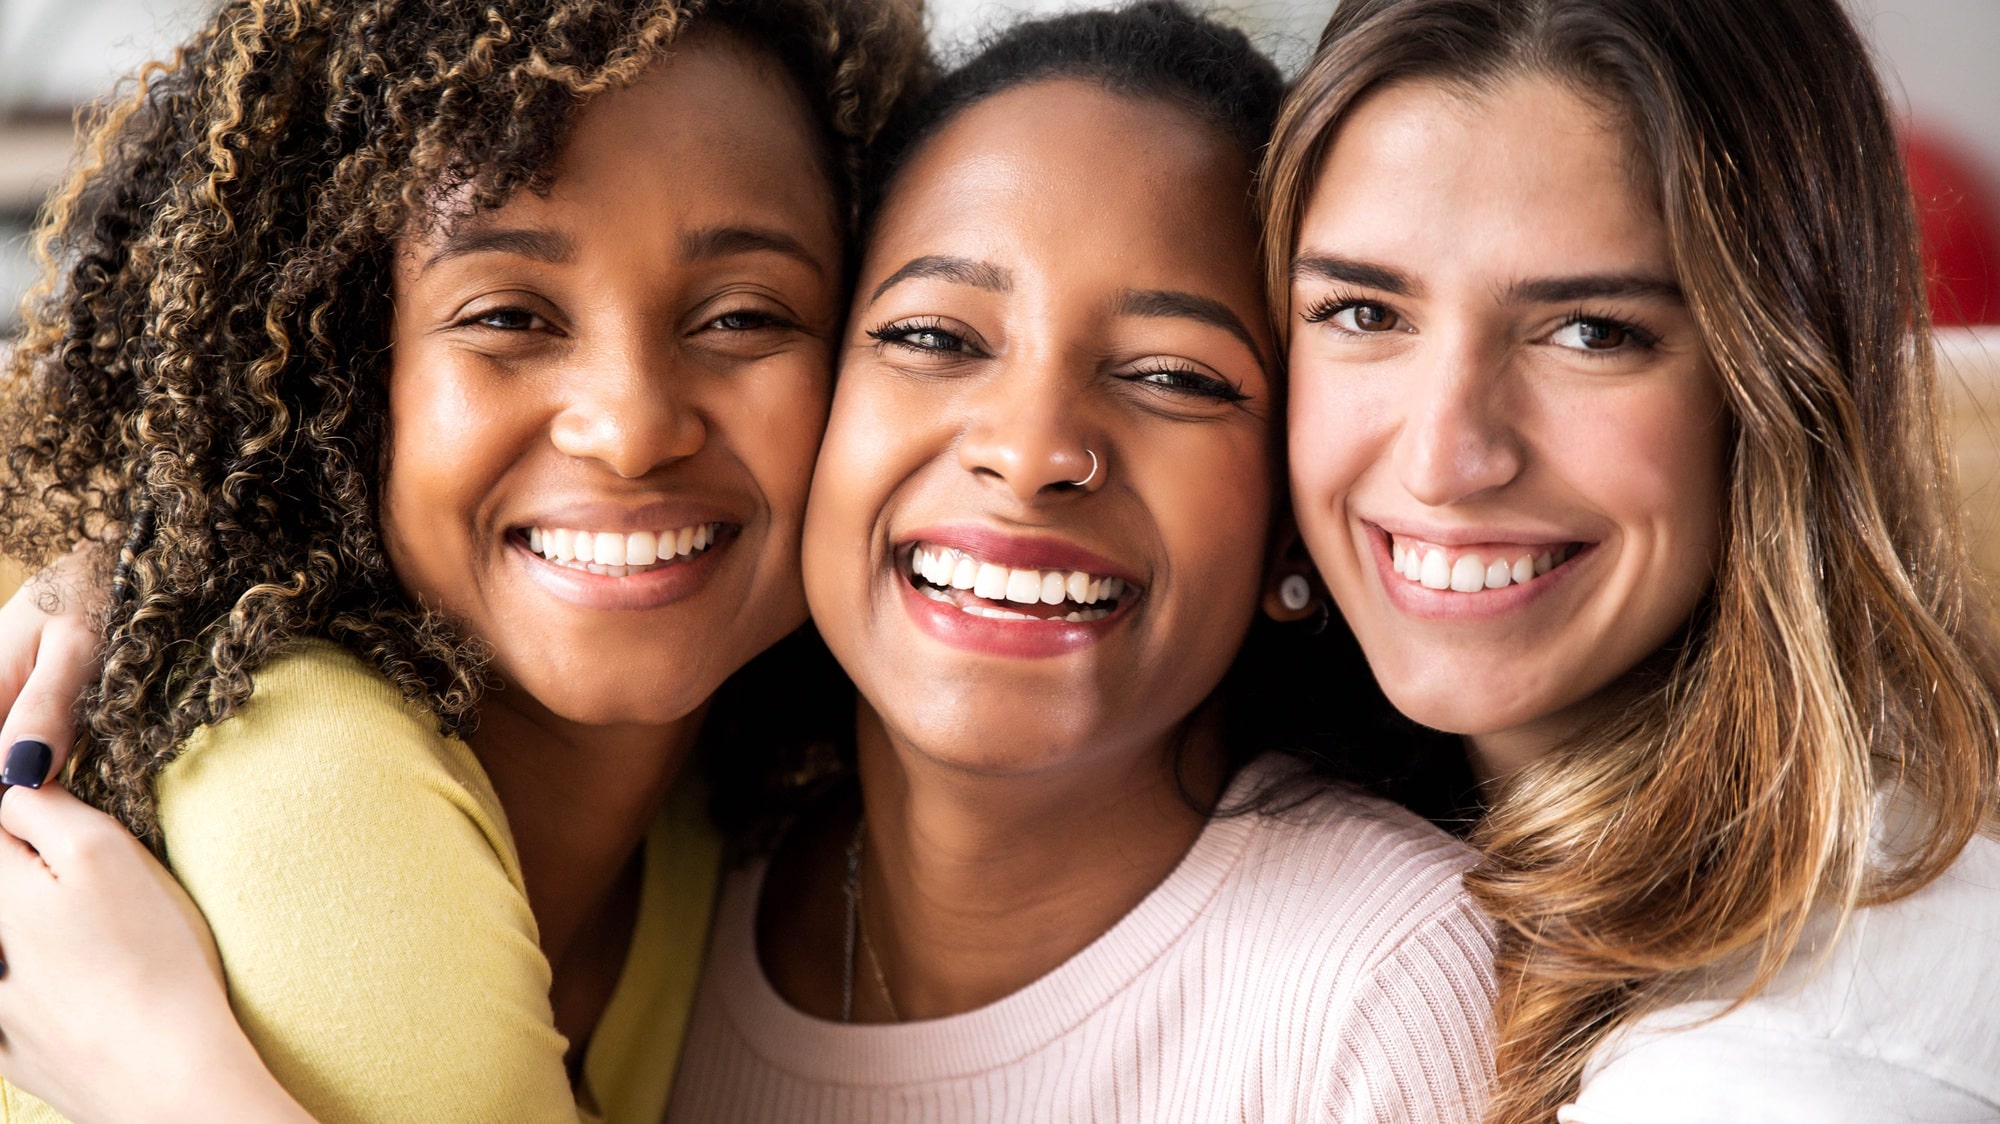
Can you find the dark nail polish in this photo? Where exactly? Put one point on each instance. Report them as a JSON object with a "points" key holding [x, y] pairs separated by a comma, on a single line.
{"points": [[28, 763]]}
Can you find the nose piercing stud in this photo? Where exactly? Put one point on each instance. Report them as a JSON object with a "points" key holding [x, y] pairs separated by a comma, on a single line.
{"points": [[1093, 471], [1294, 593]]}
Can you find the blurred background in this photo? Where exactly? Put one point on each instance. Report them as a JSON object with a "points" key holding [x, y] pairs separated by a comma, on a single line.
{"points": [[1939, 57]]}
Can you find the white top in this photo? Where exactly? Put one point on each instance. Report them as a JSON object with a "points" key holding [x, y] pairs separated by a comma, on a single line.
{"points": [[1323, 963], [1898, 1021]]}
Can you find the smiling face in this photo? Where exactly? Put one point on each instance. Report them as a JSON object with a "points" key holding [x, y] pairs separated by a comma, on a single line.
{"points": [[605, 401], [1038, 522], [1508, 446]]}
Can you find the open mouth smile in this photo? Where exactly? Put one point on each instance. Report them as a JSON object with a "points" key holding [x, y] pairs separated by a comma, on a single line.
{"points": [[983, 588], [617, 554], [1472, 570]]}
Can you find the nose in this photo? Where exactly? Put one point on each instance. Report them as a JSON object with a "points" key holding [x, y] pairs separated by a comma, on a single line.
{"points": [[1458, 439], [631, 409], [1026, 434]]}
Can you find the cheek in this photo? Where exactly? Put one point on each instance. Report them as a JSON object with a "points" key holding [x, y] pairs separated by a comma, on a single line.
{"points": [[868, 433], [1657, 465], [1331, 442], [433, 486]]}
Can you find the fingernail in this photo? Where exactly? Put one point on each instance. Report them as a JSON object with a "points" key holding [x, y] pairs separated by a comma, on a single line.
{"points": [[28, 763]]}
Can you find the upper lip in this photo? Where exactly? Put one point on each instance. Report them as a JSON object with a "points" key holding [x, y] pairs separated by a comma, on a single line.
{"points": [[1438, 535], [602, 515], [1018, 551]]}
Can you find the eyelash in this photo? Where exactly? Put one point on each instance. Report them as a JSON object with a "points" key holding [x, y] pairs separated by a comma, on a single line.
{"points": [[898, 335], [1328, 307], [1638, 337], [1190, 381], [1166, 376], [479, 319]]}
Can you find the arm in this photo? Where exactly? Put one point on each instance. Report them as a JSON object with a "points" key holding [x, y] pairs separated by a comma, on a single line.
{"points": [[1416, 1044], [112, 1000], [366, 902]]}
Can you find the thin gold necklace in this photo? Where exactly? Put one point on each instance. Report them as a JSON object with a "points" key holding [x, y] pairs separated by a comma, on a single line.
{"points": [[854, 929]]}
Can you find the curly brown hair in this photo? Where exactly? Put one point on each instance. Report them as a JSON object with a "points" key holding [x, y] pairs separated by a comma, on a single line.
{"points": [[201, 379]]}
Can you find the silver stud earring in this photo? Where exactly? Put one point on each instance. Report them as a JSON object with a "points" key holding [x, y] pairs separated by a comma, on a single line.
{"points": [[1295, 592]]}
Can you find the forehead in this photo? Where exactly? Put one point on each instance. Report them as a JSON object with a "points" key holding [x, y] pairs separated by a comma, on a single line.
{"points": [[1064, 172], [714, 133], [1527, 175]]}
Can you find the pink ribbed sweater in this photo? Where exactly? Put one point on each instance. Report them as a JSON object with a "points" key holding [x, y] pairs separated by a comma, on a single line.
{"points": [[1321, 964]]}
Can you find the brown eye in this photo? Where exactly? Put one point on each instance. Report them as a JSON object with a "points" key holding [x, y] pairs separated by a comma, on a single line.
{"points": [[1373, 318], [1599, 336], [1596, 334]]}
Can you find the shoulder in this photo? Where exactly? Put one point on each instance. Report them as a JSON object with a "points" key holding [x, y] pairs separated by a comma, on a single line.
{"points": [[322, 725], [1358, 872], [1896, 1012]]}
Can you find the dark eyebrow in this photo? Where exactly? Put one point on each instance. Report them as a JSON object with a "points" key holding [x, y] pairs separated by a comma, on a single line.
{"points": [[723, 241], [964, 271], [1191, 306], [1326, 267], [541, 245], [1569, 290]]}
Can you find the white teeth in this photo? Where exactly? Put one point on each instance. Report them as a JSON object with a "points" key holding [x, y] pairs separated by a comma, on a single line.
{"points": [[942, 568], [1470, 573], [1052, 589], [1435, 574], [1024, 586], [965, 574], [608, 550], [642, 548], [991, 582], [618, 553]]}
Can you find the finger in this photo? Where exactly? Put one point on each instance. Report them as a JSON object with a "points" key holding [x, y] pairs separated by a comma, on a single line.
{"points": [[21, 624], [60, 828], [41, 725]]}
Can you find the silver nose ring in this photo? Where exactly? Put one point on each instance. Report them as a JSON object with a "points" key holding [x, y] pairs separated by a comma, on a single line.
{"points": [[1093, 470]]}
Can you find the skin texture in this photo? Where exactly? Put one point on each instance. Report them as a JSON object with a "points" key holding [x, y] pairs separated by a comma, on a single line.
{"points": [[647, 346], [1019, 803], [1444, 390], [650, 374]]}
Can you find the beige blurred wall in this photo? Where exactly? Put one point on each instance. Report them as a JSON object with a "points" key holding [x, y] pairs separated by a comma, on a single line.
{"points": [[1969, 368]]}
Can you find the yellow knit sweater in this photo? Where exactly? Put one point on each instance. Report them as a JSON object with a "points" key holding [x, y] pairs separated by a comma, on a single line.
{"points": [[367, 900]]}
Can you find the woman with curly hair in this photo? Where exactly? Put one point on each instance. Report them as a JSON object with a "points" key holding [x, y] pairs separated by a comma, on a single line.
{"points": [[423, 358], [1614, 436]]}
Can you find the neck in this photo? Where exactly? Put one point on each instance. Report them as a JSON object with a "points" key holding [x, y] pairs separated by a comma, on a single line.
{"points": [[579, 800], [976, 885]]}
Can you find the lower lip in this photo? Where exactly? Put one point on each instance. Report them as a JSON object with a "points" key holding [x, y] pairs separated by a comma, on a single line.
{"points": [[1425, 603], [993, 637], [650, 589]]}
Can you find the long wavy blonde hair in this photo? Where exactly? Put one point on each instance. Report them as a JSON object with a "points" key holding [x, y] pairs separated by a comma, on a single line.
{"points": [[1845, 648]]}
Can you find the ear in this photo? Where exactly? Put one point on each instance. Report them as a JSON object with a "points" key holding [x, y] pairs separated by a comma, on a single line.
{"points": [[1289, 563]]}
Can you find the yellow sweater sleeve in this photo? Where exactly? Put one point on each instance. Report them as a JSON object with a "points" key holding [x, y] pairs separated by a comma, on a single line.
{"points": [[365, 895]]}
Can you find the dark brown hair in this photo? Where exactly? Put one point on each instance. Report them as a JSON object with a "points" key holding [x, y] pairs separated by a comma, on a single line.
{"points": [[201, 379], [1845, 647]]}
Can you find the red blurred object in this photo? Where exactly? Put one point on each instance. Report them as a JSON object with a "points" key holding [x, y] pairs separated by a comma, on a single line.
{"points": [[1961, 230]]}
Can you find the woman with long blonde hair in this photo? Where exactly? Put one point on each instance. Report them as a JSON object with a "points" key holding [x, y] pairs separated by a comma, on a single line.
{"points": [[1614, 435]]}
